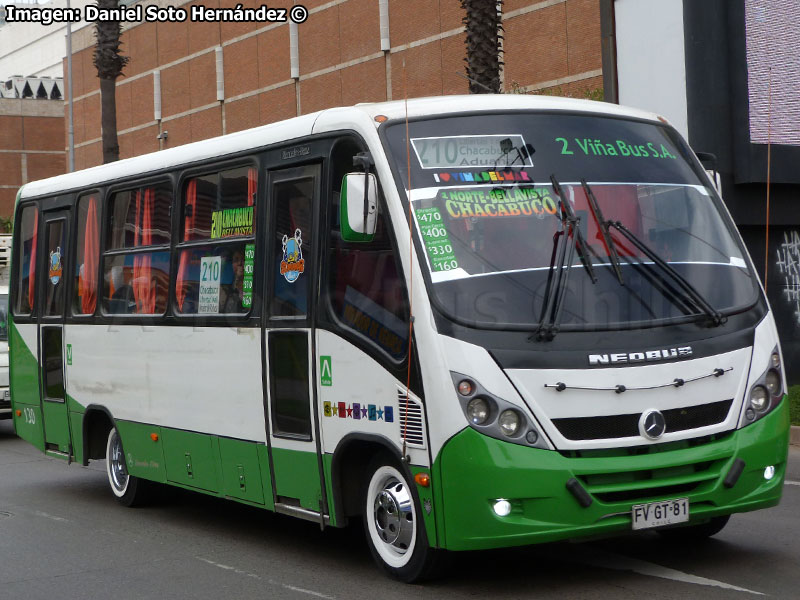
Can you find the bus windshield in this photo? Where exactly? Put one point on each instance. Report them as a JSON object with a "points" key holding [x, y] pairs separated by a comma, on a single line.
{"points": [[489, 216]]}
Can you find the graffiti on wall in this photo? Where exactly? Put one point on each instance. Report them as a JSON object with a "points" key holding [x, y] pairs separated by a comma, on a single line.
{"points": [[789, 265]]}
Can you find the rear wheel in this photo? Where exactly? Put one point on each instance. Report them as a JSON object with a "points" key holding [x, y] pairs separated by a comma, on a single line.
{"points": [[394, 527], [127, 489], [693, 533]]}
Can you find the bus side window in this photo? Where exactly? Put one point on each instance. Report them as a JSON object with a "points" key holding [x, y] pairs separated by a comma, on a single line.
{"points": [[136, 280], [84, 299], [26, 267], [219, 208], [365, 285]]}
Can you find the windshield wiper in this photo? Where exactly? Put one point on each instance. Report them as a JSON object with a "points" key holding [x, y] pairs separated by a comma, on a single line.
{"points": [[580, 242], [560, 266], [598, 215], [716, 317]]}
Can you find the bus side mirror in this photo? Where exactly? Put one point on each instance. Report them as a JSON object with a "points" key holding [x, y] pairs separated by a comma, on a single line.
{"points": [[359, 207], [709, 162]]}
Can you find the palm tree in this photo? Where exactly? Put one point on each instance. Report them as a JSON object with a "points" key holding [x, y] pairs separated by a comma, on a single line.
{"points": [[484, 44], [109, 63]]}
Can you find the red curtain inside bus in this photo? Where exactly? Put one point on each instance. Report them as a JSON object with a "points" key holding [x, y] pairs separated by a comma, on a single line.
{"points": [[188, 226], [252, 186], [91, 247], [144, 291]]}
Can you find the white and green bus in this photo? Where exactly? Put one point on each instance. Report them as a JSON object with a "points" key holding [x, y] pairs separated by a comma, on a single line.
{"points": [[471, 322]]}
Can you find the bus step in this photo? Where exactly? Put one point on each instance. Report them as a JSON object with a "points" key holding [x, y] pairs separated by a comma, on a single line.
{"points": [[301, 513]]}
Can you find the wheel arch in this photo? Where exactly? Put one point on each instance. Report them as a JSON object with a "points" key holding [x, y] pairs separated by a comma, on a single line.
{"points": [[97, 422], [349, 464]]}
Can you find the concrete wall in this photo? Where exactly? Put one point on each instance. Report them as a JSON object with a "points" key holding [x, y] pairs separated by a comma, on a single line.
{"points": [[651, 61]]}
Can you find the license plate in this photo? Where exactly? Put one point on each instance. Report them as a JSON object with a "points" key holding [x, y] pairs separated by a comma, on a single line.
{"points": [[656, 514]]}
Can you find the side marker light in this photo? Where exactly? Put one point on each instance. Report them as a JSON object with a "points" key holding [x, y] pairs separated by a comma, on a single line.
{"points": [[154, 437], [423, 479]]}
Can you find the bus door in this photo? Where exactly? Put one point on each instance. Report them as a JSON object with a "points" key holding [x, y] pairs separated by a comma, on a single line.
{"points": [[52, 269], [290, 400]]}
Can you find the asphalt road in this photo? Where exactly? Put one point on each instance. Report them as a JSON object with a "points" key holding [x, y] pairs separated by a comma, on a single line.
{"points": [[63, 537]]}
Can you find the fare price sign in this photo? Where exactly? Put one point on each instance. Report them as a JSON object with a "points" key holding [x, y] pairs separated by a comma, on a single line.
{"points": [[437, 243], [249, 269]]}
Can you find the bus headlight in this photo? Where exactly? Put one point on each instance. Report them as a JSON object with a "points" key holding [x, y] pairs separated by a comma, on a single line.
{"points": [[759, 398], [478, 411], [773, 382], [509, 422], [493, 416], [766, 391]]}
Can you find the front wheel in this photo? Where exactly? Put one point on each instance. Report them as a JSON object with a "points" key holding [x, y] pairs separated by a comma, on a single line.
{"points": [[127, 489], [394, 527]]}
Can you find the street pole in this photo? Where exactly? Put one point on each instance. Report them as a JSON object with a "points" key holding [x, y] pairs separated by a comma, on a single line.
{"points": [[70, 124]]}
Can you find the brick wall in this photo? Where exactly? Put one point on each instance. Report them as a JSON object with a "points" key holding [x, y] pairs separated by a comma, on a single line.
{"points": [[551, 46], [31, 134]]}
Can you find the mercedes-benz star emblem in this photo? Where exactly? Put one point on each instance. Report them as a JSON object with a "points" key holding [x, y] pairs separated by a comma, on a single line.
{"points": [[652, 424]]}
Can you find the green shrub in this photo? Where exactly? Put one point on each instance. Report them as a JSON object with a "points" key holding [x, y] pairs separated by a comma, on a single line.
{"points": [[794, 404]]}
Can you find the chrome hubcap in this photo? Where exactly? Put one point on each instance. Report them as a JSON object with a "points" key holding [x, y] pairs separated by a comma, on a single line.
{"points": [[116, 464], [393, 513]]}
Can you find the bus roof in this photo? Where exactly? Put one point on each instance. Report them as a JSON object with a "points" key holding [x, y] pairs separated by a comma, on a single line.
{"points": [[330, 119]]}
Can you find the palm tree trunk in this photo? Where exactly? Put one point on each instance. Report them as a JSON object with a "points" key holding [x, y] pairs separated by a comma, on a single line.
{"points": [[109, 63], [108, 119]]}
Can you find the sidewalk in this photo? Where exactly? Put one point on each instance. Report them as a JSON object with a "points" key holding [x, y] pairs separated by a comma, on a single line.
{"points": [[794, 436]]}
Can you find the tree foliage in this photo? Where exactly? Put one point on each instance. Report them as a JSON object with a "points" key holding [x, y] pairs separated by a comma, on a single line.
{"points": [[484, 44]]}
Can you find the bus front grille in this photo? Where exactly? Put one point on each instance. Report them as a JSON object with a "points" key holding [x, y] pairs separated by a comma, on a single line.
{"points": [[649, 484], [627, 425]]}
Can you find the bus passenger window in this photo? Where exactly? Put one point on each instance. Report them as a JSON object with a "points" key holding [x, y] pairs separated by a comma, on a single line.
{"points": [[26, 267], [135, 269], [217, 277], [84, 299]]}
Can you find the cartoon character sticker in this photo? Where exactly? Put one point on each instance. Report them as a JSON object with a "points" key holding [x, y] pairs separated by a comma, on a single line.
{"points": [[292, 264], [55, 266]]}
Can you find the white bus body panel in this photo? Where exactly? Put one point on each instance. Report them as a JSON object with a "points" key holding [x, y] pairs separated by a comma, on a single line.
{"points": [[358, 379], [203, 379]]}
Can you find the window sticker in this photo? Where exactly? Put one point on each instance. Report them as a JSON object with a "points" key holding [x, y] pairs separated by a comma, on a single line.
{"points": [[483, 202], [232, 221], [210, 267], [437, 243], [480, 176], [292, 264], [55, 266], [249, 269], [471, 151]]}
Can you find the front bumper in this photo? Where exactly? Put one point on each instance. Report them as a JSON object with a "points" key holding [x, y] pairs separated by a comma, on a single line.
{"points": [[476, 470], [5, 403]]}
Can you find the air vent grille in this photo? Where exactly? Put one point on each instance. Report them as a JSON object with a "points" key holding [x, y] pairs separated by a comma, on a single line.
{"points": [[412, 424]]}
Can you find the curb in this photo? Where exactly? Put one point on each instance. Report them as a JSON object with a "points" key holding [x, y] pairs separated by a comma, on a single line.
{"points": [[794, 436]]}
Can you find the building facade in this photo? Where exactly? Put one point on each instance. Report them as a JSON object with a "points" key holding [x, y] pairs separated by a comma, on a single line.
{"points": [[31, 145], [188, 81]]}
